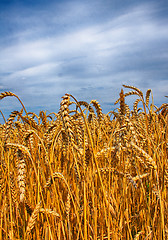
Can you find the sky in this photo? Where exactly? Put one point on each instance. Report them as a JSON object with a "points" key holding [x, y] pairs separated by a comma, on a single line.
{"points": [[87, 48]]}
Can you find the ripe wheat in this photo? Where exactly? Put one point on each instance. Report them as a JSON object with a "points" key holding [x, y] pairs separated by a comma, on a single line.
{"points": [[83, 174]]}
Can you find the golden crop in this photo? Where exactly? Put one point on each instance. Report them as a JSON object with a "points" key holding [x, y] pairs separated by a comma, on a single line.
{"points": [[81, 174]]}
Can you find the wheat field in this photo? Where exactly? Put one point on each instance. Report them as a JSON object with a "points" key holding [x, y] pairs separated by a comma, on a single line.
{"points": [[82, 174]]}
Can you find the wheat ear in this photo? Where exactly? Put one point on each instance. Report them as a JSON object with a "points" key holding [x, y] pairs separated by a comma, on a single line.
{"points": [[139, 93], [10, 94], [32, 220], [21, 175], [147, 97], [98, 109], [64, 111]]}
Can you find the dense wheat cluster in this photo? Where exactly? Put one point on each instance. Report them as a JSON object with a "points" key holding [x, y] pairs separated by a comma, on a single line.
{"points": [[81, 174]]}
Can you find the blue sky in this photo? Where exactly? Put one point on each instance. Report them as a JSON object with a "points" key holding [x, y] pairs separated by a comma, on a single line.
{"points": [[87, 48]]}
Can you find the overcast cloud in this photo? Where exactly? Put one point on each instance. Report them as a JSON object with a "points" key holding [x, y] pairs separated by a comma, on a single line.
{"points": [[86, 49]]}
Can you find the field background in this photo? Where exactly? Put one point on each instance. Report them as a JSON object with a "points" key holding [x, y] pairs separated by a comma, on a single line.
{"points": [[82, 174]]}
